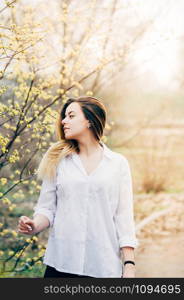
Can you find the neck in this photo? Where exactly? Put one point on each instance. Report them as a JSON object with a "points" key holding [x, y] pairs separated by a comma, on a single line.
{"points": [[88, 148]]}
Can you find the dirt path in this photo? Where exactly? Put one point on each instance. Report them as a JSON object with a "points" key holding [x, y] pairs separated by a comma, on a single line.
{"points": [[162, 257], [161, 238]]}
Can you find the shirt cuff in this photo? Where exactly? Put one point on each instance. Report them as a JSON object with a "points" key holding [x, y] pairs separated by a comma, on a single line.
{"points": [[127, 242], [46, 213]]}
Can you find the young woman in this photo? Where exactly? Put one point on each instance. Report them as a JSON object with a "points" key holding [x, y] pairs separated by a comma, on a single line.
{"points": [[86, 199]]}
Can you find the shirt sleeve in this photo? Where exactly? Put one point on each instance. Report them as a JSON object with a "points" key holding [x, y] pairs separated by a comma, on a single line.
{"points": [[47, 201], [124, 216]]}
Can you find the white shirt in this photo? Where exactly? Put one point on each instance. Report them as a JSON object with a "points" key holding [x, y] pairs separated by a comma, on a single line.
{"points": [[91, 216]]}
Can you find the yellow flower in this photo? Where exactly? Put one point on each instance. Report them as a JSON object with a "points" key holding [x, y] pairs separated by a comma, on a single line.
{"points": [[89, 93], [10, 252], [107, 126], [35, 258], [1, 224], [6, 125], [35, 238], [6, 201], [16, 181], [104, 139], [14, 233], [41, 252], [1, 253], [60, 91], [38, 262], [28, 259], [65, 81], [28, 240], [3, 149], [25, 182]]}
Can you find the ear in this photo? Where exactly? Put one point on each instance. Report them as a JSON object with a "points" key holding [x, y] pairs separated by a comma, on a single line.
{"points": [[88, 124]]}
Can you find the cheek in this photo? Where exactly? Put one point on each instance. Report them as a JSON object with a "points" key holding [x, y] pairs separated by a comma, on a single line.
{"points": [[79, 125], [82, 127]]}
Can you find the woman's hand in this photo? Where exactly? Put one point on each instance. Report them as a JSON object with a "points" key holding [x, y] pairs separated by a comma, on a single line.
{"points": [[26, 226], [129, 271]]}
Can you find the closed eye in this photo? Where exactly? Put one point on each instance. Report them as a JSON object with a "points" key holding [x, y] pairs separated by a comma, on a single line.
{"points": [[70, 116]]}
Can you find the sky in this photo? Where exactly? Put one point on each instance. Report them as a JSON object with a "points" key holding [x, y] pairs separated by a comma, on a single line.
{"points": [[159, 54], [157, 57]]}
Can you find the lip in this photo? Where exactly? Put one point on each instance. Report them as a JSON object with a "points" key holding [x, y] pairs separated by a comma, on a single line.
{"points": [[66, 128]]}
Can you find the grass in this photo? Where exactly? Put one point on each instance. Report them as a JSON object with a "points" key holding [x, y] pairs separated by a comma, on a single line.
{"points": [[155, 162], [37, 271]]}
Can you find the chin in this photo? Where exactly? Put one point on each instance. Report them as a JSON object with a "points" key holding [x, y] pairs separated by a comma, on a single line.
{"points": [[68, 137]]}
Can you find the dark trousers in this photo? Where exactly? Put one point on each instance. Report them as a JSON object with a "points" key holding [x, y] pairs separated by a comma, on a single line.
{"points": [[52, 272]]}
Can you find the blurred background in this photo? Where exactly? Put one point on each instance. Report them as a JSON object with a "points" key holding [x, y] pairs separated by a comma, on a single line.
{"points": [[127, 53]]}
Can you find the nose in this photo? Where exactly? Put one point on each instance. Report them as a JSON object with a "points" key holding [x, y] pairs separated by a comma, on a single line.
{"points": [[63, 122]]}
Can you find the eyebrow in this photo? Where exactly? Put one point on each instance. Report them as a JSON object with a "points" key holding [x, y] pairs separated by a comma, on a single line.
{"points": [[69, 112]]}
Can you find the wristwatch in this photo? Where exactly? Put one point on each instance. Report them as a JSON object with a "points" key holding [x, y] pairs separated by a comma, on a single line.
{"points": [[129, 262]]}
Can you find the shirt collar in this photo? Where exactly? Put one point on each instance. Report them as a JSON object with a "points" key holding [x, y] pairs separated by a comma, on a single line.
{"points": [[107, 152]]}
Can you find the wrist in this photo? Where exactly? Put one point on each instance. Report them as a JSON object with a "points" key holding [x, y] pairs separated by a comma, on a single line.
{"points": [[129, 267]]}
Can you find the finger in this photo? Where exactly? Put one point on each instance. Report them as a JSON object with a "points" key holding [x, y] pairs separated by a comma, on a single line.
{"points": [[30, 222], [24, 219], [25, 227], [23, 231], [29, 228], [21, 221]]}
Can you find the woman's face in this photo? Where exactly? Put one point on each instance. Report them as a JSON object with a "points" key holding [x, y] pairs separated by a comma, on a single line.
{"points": [[74, 123]]}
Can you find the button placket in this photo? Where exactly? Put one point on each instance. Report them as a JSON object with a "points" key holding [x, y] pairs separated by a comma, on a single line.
{"points": [[86, 221]]}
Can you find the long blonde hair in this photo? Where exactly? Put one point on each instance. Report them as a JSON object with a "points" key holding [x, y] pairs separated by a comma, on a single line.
{"points": [[94, 111]]}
